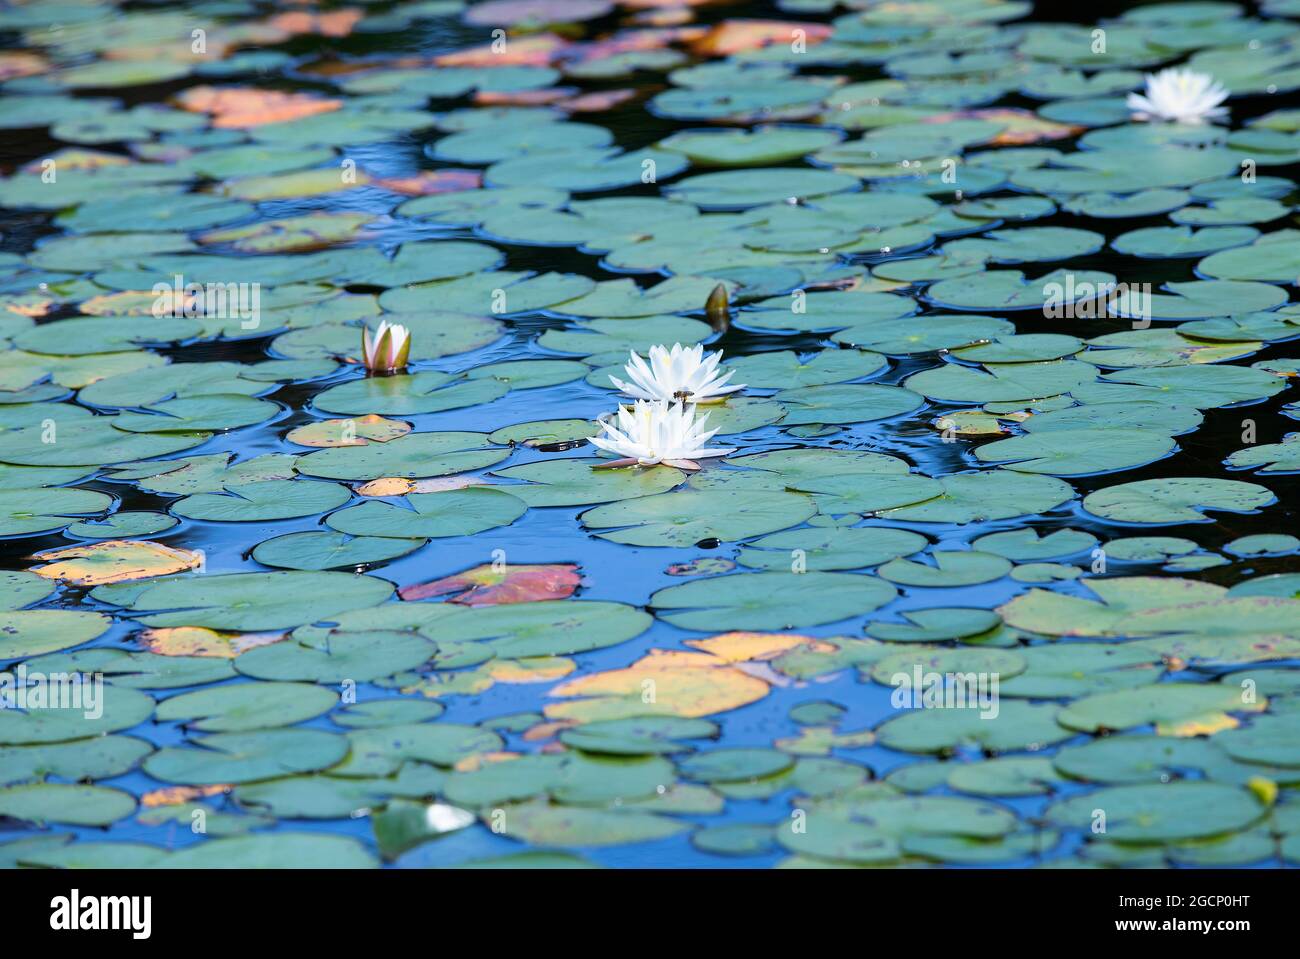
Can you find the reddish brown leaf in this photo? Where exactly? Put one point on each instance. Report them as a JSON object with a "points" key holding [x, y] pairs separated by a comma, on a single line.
{"points": [[16, 63], [736, 36], [701, 566], [336, 23], [537, 51], [488, 586], [629, 41], [197, 641], [523, 98], [175, 795], [1022, 126], [428, 182], [598, 101], [535, 13], [241, 107]]}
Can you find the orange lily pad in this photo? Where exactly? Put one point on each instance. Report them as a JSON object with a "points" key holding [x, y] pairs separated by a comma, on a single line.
{"points": [[736, 36], [741, 647], [115, 561], [536, 51], [1022, 126], [430, 182], [196, 641], [524, 98], [17, 63], [535, 13], [664, 683], [487, 585], [336, 23], [243, 107], [400, 486], [598, 101], [175, 795]]}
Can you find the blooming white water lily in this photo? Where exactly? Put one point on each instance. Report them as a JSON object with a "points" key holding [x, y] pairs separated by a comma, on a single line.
{"points": [[681, 374], [388, 349], [654, 431], [1180, 96]]}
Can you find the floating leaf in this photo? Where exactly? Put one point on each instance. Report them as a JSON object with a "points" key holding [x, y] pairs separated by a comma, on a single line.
{"points": [[1180, 500], [115, 561], [489, 586]]}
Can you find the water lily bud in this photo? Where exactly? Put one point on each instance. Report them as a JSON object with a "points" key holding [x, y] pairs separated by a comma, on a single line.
{"points": [[718, 308]]}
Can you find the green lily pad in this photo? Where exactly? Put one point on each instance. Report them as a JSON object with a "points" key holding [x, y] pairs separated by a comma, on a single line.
{"points": [[246, 757], [31, 632], [247, 706], [952, 568], [1179, 500], [414, 455], [359, 657], [255, 601], [100, 758], [137, 670], [270, 500], [1164, 704], [785, 370], [63, 803], [540, 824], [122, 709], [408, 394], [1028, 545], [691, 516], [770, 600], [974, 497], [449, 513], [319, 550], [935, 624], [1166, 812], [1016, 726], [28, 512], [579, 483], [19, 588], [1081, 452], [834, 548], [734, 765]]}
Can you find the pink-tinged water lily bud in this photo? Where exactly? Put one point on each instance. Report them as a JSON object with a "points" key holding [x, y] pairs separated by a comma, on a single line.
{"points": [[653, 432], [1179, 96], [682, 375], [387, 349]]}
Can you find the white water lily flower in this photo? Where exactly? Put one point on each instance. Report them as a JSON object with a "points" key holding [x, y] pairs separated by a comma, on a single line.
{"points": [[680, 374], [654, 431], [388, 349], [1180, 96]]}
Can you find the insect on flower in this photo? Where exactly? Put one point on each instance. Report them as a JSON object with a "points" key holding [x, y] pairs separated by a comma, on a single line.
{"points": [[680, 374]]}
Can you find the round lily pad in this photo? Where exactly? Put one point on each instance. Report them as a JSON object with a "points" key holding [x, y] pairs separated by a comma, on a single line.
{"points": [[770, 600], [448, 513], [1166, 812], [319, 550], [1177, 500], [689, 517]]}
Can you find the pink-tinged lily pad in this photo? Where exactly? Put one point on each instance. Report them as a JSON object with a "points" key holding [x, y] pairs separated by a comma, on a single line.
{"points": [[429, 182], [240, 107], [736, 36], [488, 585], [508, 13]]}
